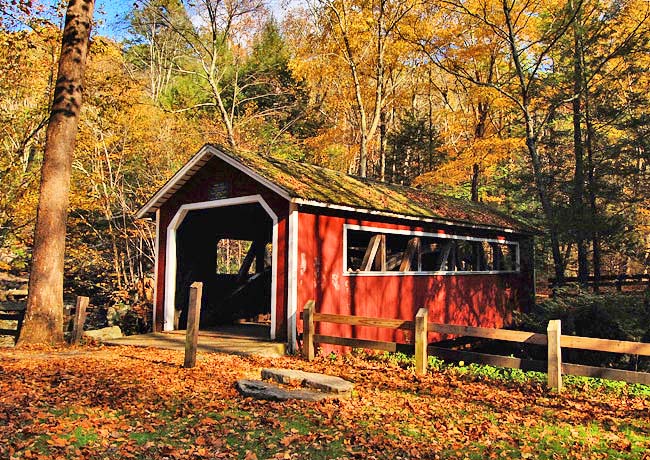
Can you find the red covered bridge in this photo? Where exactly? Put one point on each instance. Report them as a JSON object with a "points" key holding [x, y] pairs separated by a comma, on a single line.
{"points": [[355, 246]]}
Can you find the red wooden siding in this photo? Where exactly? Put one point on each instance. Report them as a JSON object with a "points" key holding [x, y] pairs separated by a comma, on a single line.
{"points": [[469, 299]]}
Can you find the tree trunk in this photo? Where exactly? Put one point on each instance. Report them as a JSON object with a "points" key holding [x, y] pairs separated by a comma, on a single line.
{"points": [[542, 191], [531, 145], [368, 121], [363, 156], [44, 315], [224, 114], [430, 133], [383, 141], [577, 198], [591, 187], [475, 178], [480, 130]]}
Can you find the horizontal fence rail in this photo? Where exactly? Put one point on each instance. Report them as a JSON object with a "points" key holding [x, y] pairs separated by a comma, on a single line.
{"points": [[610, 346], [364, 321], [553, 340], [606, 280], [392, 347], [489, 333], [74, 318]]}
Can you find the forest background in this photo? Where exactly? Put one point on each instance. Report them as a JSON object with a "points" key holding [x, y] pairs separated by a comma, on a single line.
{"points": [[539, 108]]}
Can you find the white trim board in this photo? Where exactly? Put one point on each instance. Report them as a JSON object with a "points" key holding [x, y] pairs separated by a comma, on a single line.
{"points": [[451, 236], [180, 174], [394, 215], [171, 264], [155, 269], [292, 282]]}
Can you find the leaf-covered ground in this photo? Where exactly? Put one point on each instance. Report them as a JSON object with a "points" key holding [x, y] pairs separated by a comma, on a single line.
{"points": [[110, 403]]}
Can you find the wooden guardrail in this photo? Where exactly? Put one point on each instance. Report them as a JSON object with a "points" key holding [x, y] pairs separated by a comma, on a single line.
{"points": [[617, 281], [72, 322], [553, 340]]}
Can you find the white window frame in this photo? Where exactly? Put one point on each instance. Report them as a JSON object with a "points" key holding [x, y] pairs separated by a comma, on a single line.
{"points": [[388, 231]]}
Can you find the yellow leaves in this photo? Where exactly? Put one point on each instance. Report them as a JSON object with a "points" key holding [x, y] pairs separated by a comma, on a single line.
{"points": [[122, 138], [488, 154]]}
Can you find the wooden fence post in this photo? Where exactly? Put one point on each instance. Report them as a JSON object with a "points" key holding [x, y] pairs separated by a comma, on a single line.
{"points": [[554, 333], [193, 317], [308, 331], [79, 319], [619, 282], [421, 341]]}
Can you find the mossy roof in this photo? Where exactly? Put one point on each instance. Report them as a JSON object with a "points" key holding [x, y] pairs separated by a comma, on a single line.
{"points": [[316, 185]]}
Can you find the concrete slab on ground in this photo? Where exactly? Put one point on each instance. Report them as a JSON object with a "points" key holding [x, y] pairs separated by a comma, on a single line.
{"points": [[208, 342], [271, 392], [319, 386], [323, 382]]}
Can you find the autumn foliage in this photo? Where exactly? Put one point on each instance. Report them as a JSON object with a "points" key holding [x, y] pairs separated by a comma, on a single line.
{"points": [[101, 403], [537, 108]]}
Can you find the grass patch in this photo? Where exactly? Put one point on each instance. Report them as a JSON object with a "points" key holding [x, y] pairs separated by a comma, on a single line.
{"points": [[474, 371], [81, 437]]}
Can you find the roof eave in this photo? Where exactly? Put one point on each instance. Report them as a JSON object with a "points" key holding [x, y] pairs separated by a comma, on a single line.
{"points": [[210, 150], [375, 212], [151, 205]]}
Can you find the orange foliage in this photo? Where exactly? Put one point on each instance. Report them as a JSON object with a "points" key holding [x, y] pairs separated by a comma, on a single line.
{"points": [[141, 403]]}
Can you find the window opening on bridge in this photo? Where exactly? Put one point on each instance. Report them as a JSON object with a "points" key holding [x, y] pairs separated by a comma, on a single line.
{"points": [[383, 251]]}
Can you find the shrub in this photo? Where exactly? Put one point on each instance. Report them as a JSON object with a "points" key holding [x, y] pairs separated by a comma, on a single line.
{"points": [[616, 316]]}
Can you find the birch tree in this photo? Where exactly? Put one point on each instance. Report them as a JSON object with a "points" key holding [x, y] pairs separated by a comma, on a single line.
{"points": [[528, 42], [215, 40], [357, 41]]}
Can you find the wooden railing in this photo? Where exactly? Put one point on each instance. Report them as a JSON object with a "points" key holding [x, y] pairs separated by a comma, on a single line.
{"points": [[553, 340], [73, 318], [617, 281]]}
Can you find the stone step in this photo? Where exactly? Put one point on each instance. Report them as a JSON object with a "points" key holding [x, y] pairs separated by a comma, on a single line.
{"points": [[322, 382], [259, 389]]}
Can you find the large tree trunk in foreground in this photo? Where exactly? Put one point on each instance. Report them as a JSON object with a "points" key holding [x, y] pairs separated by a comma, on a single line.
{"points": [[44, 315]]}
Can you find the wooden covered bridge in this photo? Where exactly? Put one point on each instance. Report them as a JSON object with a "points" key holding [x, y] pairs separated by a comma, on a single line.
{"points": [[355, 246]]}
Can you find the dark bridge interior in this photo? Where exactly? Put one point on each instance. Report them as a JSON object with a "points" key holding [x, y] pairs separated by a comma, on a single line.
{"points": [[228, 249]]}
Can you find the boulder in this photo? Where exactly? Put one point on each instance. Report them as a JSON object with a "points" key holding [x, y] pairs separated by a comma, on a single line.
{"points": [[269, 391], [322, 382], [115, 313], [107, 333]]}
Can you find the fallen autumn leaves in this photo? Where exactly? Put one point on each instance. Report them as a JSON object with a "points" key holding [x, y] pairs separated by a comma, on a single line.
{"points": [[109, 403]]}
